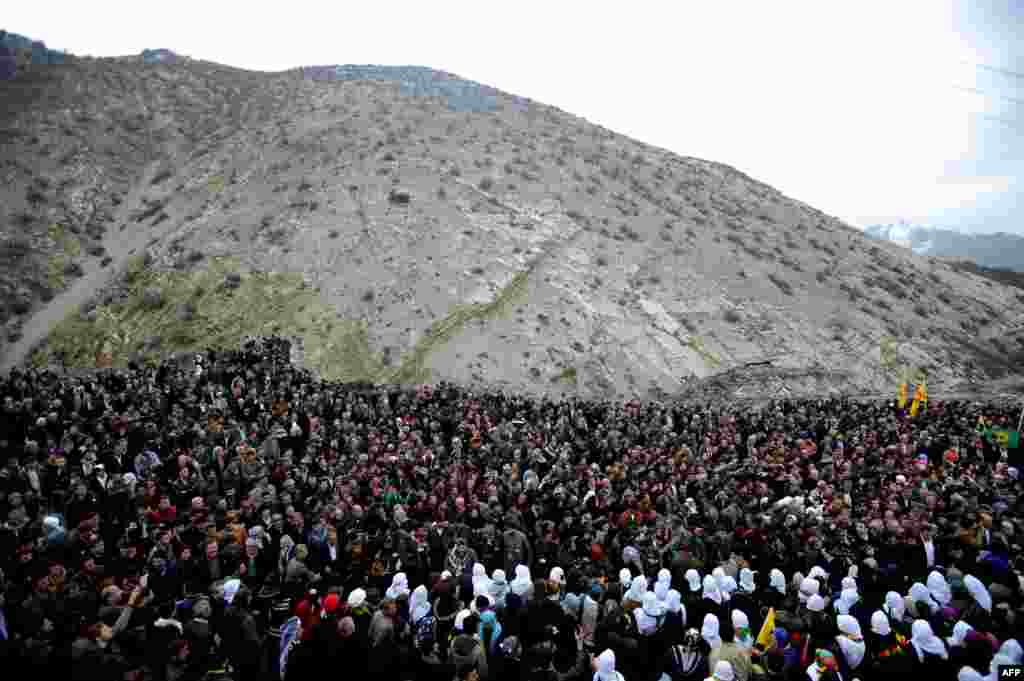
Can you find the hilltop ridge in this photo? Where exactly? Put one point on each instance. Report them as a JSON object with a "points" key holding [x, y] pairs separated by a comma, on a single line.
{"points": [[413, 226]]}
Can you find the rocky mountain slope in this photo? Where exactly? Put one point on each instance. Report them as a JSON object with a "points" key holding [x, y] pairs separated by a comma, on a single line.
{"points": [[999, 250], [413, 226]]}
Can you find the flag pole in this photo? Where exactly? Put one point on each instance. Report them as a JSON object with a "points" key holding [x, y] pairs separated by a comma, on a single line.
{"points": [[1020, 421]]}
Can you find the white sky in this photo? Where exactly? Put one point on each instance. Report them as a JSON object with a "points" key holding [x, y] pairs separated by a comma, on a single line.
{"points": [[850, 107]]}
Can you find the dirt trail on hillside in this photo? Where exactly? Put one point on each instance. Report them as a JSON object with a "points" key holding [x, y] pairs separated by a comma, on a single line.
{"points": [[120, 247]]}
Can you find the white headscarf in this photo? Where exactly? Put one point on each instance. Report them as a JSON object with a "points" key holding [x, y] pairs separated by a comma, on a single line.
{"points": [[880, 623], [636, 589], [665, 577], [625, 577], [777, 581], [481, 584], [693, 579], [648, 615], [521, 584], [557, 574], [674, 603], [661, 592], [709, 631], [894, 606], [999, 660], [1011, 649], [919, 594], [418, 604], [924, 641], [850, 582], [740, 621], [960, 631], [818, 573], [816, 603], [851, 641], [809, 587], [460, 618], [938, 587], [711, 590], [719, 574], [847, 599], [978, 592], [969, 674], [606, 667], [399, 586], [728, 587], [723, 671], [499, 588], [231, 588], [747, 580]]}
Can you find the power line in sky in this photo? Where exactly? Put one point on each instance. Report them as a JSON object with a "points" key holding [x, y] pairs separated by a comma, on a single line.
{"points": [[995, 69], [986, 94]]}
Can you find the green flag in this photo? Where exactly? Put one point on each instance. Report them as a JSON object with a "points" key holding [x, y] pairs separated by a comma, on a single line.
{"points": [[1007, 439]]}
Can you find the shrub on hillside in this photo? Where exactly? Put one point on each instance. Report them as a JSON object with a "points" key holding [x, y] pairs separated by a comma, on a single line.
{"points": [[781, 283], [486, 184]]}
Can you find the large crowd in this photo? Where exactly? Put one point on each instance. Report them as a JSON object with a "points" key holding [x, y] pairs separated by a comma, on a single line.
{"points": [[234, 517]]}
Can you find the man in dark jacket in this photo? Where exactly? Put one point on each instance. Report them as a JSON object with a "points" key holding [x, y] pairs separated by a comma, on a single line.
{"points": [[241, 636]]}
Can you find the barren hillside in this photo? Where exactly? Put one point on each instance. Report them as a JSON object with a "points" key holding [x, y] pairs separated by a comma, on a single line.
{"points": [[412, 226]]}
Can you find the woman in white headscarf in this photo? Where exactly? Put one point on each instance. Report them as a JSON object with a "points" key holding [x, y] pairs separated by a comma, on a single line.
{"points": [[979, 613], [728, 587], [661, 592], [481, 584], [809, 587], [818, 573], [723, 672], [625, 579], [635, 595], [851, 641], [1011, 649], [969, 674], [847, 599], [709, 631], [521, 584], [604, 667], [419, 606], [719, 574], [665, 577], [930, 652], [399, 586], [499, 588], [711, 591], [675, 612], [939, 589], [774, 595], [743, 637], [960, 631], [650, 615], [746, 582], [693, 580], [888, 659], [557, 575], [895, 609], [920, 602]]}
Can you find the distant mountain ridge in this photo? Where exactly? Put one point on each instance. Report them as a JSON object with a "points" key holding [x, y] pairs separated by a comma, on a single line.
{"points": [[999, 250], [460, 94]]}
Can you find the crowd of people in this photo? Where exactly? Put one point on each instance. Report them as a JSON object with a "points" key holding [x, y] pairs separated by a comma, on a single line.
{"points": [[234, 517]]}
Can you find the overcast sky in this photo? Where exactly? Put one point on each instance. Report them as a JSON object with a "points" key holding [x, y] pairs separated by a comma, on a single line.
{"points": [[872, 111]]}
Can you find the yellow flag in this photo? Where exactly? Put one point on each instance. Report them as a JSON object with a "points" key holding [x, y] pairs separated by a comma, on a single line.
{"points": [[920, 397], [767, 635], [903, 395]]}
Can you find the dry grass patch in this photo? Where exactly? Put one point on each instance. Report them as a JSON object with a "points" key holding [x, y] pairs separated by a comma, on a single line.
{"points": [[261, 304]]}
